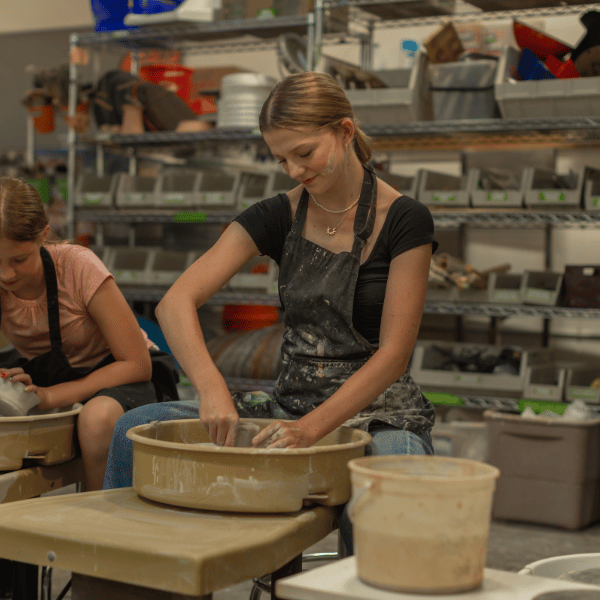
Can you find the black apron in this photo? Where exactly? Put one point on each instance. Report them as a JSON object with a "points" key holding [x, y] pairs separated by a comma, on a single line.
{"points": [[321, 348], [52, 367]]}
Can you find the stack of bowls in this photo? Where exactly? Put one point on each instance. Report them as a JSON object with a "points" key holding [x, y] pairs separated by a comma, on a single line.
{"points": [[242, 98]]}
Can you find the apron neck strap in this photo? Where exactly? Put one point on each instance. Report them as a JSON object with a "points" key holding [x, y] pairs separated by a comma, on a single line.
{"points": [[51, 299]]}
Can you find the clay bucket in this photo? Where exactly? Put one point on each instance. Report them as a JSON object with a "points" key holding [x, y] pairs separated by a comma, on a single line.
{"points": [[45, 437], [174, 463], [421, 523]]}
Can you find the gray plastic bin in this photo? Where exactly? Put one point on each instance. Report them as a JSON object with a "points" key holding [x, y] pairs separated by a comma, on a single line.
{"points": [[496, 188], [546, 188], [463, 90]]}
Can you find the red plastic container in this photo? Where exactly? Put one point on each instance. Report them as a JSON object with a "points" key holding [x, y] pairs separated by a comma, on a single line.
{"points": [[241, 317], [539, 43], [178, 75], [43, 117]]}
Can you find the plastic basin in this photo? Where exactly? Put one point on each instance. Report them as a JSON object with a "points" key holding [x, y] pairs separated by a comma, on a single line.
{"points": [[174, 463], [421, 523]]}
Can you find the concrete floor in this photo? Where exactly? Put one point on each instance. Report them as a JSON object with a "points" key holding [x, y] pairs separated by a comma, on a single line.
{"points": [[511, 546]]}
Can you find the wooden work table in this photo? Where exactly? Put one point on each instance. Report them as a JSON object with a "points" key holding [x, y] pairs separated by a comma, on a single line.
{"points": [[124, 545]]}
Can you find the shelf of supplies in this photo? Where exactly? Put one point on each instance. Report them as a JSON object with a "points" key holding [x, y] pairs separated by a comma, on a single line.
{"points": [[154, 216], [181, 33], [443, 218], [510, 310], [433, 135], [155, 294], [516, 218]]}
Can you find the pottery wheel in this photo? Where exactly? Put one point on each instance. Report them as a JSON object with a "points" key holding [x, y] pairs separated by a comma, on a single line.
{"points": [[569, 595], [589, 576]]}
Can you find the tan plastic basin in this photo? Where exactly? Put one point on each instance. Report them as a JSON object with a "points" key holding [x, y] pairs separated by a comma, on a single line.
{"points": [[174, 463], [45, 437]]}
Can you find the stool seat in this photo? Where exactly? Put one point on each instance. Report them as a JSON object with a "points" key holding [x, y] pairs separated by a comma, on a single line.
{"points": [[119, 536]]}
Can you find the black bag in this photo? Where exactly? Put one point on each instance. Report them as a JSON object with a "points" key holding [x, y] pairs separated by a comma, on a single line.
{"points": [[163, 110]]}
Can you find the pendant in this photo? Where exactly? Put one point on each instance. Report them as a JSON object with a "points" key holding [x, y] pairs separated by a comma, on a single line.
{"points": [[331, 231]]}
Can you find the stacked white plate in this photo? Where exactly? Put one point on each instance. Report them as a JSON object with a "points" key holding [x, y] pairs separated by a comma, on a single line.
{"points": [[242, 98]]}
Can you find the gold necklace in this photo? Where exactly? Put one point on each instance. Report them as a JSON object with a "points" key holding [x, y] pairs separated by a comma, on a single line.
{"points": [[333, 230]]}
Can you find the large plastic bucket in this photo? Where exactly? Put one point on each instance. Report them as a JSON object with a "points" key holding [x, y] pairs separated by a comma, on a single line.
{"points": [[421, 523]]}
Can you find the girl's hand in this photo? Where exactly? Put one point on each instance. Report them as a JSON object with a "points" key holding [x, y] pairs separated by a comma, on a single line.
{"points": [[221, 421], [43, 394], [283, 435], [16, 374]]}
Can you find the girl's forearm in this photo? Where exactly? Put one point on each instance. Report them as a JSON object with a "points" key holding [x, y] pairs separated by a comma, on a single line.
{"points": [[120, 372]]}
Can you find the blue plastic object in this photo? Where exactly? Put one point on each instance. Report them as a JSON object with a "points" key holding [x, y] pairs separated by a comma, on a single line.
{"points": [[150, 7], [109, 14], [531, 67]]}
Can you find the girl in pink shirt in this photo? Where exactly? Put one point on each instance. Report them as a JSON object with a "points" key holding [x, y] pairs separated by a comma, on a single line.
{"points": [[63, 312]]}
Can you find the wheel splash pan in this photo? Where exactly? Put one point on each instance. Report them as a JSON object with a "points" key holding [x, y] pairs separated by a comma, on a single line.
{"points": [[174, 463], [43, 436]]}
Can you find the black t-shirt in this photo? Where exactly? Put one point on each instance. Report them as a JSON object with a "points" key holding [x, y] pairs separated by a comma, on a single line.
{"points": [[408, 224]]}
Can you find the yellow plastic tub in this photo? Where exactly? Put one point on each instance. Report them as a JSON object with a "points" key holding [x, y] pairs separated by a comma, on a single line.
{"points": [[174, 463]]}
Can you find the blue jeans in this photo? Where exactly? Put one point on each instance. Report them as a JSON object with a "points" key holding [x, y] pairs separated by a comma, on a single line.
{"points": [[386, 441]]}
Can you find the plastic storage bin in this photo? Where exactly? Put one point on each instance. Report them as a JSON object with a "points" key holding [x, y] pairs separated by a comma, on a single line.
{"points": [[463, 90], [217, 188], [541, 287], [130, 265], [545, 383], [492, 370], [254, 187], [581, 286], [578, 385], [545, 188], [577, 97], [165, 266], [135, 191], [441, 294], [281, 183], [407, 185], [92, 191], [504, 288], [549, 469], [443, 189], [177, 188], [259, 274], [407, 99], [591, 190], [497, 189]]}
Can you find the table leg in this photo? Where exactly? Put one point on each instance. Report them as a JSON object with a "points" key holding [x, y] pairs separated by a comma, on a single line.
{"points": [[291, 568], [25, 581]]}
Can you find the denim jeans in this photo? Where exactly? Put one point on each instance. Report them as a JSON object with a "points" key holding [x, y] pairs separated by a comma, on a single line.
{"points": [[386, 441]]}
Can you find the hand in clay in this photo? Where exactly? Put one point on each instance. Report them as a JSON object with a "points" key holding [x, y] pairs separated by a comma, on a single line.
{"points": [[283, 435]]}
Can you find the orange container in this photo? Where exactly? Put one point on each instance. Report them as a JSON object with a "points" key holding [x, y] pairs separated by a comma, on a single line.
{"points": [[43, 117], [241, 317], [178, 75]]}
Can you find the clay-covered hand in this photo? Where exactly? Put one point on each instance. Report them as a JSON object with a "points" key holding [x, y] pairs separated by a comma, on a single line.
{"points": [[16, 374], [283, 435], [43, 394], [220, 419]]}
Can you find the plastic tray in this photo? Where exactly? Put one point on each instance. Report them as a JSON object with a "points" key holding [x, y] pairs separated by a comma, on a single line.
{"points": [[545, 188], [129, 265], [175, 188], [174, 463], [545, 383], [135, 191], [46, 438], [541, 288], [504, 288], [578, 385]]}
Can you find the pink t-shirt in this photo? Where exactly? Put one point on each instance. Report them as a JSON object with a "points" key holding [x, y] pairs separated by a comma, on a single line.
{"points": [[79, 274]]}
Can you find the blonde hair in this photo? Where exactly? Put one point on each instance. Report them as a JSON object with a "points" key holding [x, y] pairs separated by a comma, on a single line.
{"points": [[312, 100], [22, 214]]}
